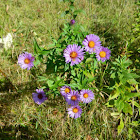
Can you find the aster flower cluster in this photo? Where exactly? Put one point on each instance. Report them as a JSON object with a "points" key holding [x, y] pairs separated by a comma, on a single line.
{"points": [[73, 97], [74, 54]]}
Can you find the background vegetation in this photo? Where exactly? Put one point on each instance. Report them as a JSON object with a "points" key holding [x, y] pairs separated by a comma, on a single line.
{"points": [[115, 21]]}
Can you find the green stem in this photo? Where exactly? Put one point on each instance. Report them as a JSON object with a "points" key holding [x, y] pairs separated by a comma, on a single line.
{"points": [[102, 73]]}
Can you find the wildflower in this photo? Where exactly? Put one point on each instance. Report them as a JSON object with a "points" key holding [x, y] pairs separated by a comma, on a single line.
{"points": [[39, 97], [86, 95], [73, 98], [72, 22], [91, 43], [103, 54], [74, 54], [65, 90], [75, 111], [6, 42], [25, 60]]}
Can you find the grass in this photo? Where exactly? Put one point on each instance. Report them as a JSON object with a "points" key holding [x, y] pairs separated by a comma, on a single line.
{"points": [[20, 117]]}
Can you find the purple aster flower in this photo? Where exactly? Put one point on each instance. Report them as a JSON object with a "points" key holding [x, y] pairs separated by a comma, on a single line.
{"points": [[39, 97], [86, 95], [72, 22], [65, 90], [25, 60], [74, 54], [91, 43], [103, 54], [75, 111], [73, 98]]}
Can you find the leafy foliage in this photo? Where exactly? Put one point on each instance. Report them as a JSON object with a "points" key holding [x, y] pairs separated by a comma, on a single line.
{"points": [[123, 97]]}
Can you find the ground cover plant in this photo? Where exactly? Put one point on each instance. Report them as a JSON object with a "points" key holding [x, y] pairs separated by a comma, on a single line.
{"points": [[73, 72]]}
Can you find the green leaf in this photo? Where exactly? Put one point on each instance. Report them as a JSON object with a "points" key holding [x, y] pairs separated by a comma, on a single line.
{"points": [[127, 62], [131, 95], [79, 11], [84, 82], [42, 78], [132, 81], [59, 50], [73, 72], [56, 67], [66, 67], [121, 126], [112, 75], [36, 47], [117, 93], [73, 37], [50, 83], [120, 106], [130, 133], [72, 7], [51, 45], [127, 108], [134, 75], [88, 60], [36, 62], [128, 75], [91, 79], [36, 126], [87, 74], [45, 52], [75, 85]]}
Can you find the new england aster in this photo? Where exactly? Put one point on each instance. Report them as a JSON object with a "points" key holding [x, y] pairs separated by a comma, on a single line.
{"points": [[91, 43], [65, 90], [74, 111], [74, 54], [86, 95], [72, 22], [25, 60], [39, 97], [73, 98], [103, 54]]}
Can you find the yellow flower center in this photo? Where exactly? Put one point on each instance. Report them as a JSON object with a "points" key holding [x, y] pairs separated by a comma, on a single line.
{"points": [[85, 95], [73, 55], [26, 61], [40, 96], [102, 54], [75, 110], [73, 97], [67, 90], [91, 44]]}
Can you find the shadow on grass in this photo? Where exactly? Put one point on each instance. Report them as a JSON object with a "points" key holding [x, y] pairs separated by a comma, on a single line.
{"points": [[9, 96], [7, 100], [19, 132]]}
